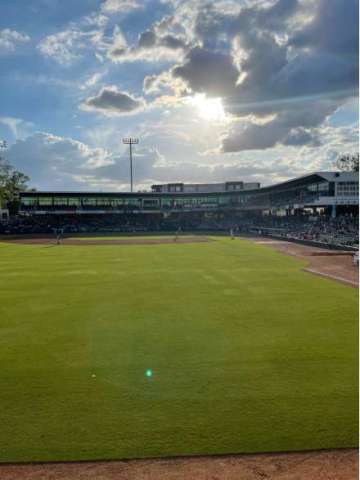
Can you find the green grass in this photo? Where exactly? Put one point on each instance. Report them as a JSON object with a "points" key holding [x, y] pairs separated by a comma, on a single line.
{"points": [[248, 352]]}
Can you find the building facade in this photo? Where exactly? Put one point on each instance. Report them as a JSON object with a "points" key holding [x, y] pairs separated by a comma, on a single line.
{"points": [[204, 187], [330, 192]]}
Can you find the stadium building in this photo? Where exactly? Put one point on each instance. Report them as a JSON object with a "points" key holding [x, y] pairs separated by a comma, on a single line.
{"points": [[322, 206], [331, 193]]}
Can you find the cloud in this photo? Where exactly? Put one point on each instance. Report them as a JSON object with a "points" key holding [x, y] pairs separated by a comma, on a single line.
{"points": [[334, 28], [150, 47], [92, 80], [280, 67], [207, 72], [55, 162], [11, 39], [51, 160], [284, 60], [111, 101], [63, 47], [291, 123], [116, 6], [300, 136], [18, 127], [69, 45]]}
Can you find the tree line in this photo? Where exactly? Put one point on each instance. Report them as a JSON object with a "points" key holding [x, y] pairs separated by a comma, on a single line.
{"points": [[12, 182]]}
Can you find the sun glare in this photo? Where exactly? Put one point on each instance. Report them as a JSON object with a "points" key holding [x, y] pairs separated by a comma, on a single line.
{"points": [[208, 108]]}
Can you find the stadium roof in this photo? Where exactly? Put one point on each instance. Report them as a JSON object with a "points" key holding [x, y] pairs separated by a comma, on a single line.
{"points": [[305, 179]]}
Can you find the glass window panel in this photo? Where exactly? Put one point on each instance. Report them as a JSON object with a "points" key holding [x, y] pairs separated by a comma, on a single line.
{"points": [[45, 201], [74, 201], [60, 201]]}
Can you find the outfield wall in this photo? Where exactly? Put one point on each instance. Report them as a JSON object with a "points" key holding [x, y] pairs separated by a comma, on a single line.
{"points": [[309, 243]]}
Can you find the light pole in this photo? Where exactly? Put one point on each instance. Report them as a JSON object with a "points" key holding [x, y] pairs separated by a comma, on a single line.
{"points": [[3, 144], [131, 141]]}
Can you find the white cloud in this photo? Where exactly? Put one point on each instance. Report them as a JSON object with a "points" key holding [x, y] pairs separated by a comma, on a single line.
{"points": [[55, 162], [92, 80], [18, 127], [63, 47], [10, 39], [69, 45], [51, 160], [116, 6]]}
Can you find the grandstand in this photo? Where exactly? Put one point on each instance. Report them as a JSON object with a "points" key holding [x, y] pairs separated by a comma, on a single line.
{"points": [[321, 206]]}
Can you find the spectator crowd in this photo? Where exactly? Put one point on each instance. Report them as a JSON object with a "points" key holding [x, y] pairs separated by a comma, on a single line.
{"points": [[341, 230]]}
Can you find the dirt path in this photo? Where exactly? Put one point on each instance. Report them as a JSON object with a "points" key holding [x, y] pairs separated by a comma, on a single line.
{"points": [[334, 264], [42, 240], [316, 465]]}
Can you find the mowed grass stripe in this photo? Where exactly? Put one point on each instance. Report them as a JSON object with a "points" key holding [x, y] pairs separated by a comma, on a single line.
{"points": [[248, 353]]}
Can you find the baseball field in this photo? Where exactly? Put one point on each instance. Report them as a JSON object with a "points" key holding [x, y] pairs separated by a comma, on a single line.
{"points": [[151, 350]]}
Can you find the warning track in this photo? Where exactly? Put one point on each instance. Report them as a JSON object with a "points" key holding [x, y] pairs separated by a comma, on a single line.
{"points": [[334, 264]]}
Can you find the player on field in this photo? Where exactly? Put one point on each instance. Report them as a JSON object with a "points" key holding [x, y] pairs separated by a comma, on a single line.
{"points": [[59, 234], [178, 231]]}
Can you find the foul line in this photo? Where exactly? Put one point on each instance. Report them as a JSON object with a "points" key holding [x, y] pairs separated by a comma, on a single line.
{"points": [[333, 277]]}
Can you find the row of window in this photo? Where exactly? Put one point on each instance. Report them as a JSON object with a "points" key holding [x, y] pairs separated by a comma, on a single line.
{"points": [[299, 194], [348, 189], [122, 202]]}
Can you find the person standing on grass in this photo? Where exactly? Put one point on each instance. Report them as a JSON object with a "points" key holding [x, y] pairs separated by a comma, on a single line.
{"points": [[178, 231], [59, 233]]}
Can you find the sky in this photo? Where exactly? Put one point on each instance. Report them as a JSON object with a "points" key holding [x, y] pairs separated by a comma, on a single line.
{"points": [[252, 90]]}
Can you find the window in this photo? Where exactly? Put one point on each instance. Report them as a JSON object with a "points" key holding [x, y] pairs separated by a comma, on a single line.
{"points": [[45, 201], [151, 203], [117, 202], [348, 189], [89, 201], [166, 202], [74, 202], [60, 202], [29, 201], [103, 202]]}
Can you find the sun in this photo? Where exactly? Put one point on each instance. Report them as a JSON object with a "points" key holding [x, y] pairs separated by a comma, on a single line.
{"points": [[208, 108]]}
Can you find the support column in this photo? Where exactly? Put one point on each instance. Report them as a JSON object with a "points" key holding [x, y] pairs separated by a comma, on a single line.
{"points": [[333, 211]]}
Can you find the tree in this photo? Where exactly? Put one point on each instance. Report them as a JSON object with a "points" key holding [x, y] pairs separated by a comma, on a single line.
{"points": [[12, 182], [348, 162]]}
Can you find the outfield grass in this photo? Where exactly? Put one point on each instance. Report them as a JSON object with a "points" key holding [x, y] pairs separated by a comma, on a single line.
{"points": [[247, 352]]}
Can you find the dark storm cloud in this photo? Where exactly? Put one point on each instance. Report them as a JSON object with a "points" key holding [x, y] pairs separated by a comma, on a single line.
{"points": [[147, 39], [268, 60], [112, 101], [279, 76], [208, 72], [290, 126], [151, 46], [334, 28]]}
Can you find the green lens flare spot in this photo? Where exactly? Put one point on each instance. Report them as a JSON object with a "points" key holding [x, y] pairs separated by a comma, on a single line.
{"points": [[148, 373]]}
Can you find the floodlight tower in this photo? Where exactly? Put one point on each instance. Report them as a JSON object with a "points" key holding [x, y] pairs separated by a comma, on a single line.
{"points": [[3, 144], [131, 141]]}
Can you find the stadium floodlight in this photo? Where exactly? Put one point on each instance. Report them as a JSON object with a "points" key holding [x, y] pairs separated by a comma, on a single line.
{"points": [[3, 144], [131, 141]]}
